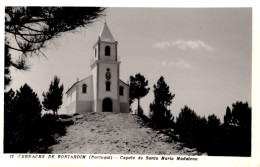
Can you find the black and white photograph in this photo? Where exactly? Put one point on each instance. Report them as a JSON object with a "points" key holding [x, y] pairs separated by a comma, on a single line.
{"points": [[128, 83]]}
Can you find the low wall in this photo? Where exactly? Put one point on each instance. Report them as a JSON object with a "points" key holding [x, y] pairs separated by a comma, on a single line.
{"points": [[84, 106], [124, 107]]}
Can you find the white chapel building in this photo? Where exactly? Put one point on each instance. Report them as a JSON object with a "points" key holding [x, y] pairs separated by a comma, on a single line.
{"points": [[102, 91]]}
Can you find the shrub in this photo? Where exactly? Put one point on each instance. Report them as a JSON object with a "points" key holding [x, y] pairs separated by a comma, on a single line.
{"points": [[50, 128], [191, 128]]}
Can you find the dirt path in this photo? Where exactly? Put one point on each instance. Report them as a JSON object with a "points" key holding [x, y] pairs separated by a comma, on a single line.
{"points": [[115, 133]]}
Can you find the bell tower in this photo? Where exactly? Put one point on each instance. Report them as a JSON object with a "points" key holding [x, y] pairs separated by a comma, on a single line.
{"points": [[105, 72]]}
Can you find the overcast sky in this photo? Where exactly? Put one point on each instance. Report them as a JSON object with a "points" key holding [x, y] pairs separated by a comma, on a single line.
{"points": [[203, 54]]}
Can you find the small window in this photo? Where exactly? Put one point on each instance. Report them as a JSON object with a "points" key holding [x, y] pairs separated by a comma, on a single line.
{"points": [[107, 51], [121, 91], [108, 86], [84, 88]]}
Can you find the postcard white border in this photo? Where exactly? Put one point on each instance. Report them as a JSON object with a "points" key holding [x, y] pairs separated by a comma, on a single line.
{"points": [[212, 161]]}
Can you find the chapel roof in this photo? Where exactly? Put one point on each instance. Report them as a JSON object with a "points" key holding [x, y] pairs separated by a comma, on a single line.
{"points": [[106, 35], [88, 78], [77, 83]]}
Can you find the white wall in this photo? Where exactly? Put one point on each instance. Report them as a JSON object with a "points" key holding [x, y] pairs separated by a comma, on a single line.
{"points": [[95, 57], [85, 96], [113, 93], [125, 97], [94, 80], [71, 100]]}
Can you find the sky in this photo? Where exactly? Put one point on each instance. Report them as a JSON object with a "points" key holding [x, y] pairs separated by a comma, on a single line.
{"points": [[204, 55]]}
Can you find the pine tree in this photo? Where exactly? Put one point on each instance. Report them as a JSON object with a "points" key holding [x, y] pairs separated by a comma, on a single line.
{"points": [[228, 117], [27, 101], [9, 101], [29, 29], [8, 119], [236, 134], [53, 98], [22, 130], [186, 120], [7, 66], [241, 114], [213, 121], [138, 89], [160, 115]]}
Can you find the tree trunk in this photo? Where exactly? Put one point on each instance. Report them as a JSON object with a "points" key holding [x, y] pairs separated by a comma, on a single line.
{"points": [[54, 113], [138, 108]]}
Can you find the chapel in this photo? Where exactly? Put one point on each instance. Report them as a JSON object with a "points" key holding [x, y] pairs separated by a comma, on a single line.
{"points": [[103, 91]]}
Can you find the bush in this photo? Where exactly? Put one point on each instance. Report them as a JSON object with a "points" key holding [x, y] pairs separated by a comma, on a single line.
{"points": [[140, 111], [143, 116], [233, 138], [50, 127]]}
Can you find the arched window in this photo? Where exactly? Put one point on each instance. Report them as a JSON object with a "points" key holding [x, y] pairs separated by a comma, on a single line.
{"points": [[84, 88], [108, 86], [107, 51], [121, 91]]}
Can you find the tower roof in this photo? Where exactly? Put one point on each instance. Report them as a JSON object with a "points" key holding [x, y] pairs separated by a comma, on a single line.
{"points": [[106, 35]]}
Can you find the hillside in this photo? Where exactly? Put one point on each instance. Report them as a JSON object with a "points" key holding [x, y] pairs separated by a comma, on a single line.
{"points": [[115, 133]]}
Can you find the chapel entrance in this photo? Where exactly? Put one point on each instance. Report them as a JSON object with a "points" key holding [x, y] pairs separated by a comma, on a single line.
{"points": [[107, 105]]}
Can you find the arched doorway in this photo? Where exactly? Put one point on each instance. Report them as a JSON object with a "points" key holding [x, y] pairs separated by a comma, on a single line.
{"points": [[107, 105]]}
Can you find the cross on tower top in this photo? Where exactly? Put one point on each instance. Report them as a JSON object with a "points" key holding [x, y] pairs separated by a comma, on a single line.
{"points": [[106, 35]]}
